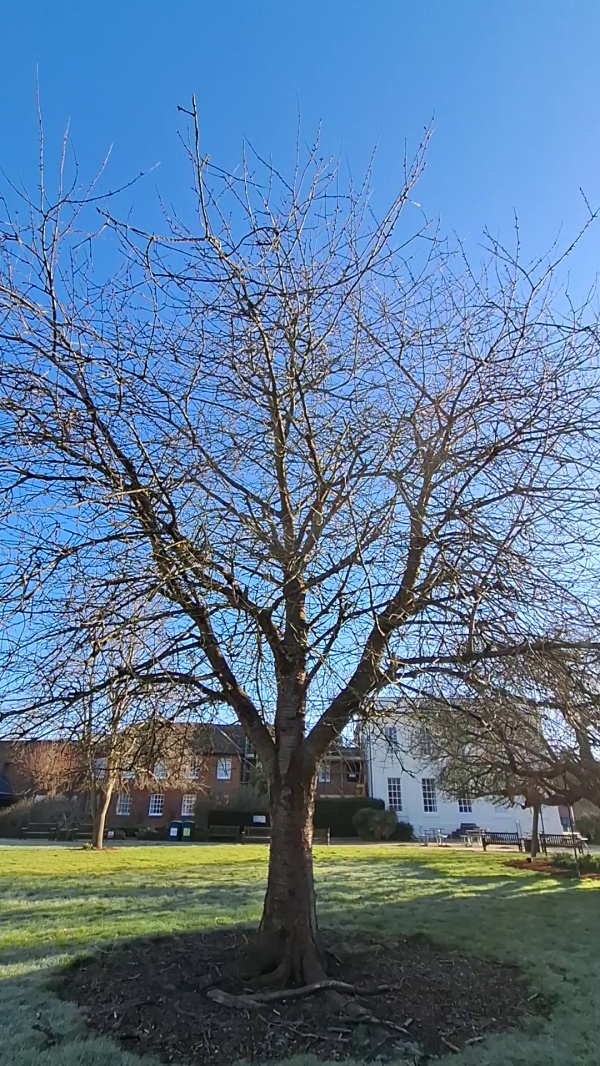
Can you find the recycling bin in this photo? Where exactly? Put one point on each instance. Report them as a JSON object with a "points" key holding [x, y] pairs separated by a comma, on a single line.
{"points": [[175, 830]]}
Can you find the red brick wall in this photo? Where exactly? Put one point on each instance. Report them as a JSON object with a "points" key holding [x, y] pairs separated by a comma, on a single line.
{"points": [[208, 787]]}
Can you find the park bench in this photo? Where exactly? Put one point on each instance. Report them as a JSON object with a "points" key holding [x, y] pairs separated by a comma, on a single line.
{"points": [[224, 832], [565, 841], [262, 834], [257, 833], [502, 839], [48, 830]]}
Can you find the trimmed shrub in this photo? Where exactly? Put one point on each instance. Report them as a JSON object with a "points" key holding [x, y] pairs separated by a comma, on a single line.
{"points": [[370, 823], [152, 833], [337, 812], [588, 864], [403, 832], [363, 822], [61, 810], [383, 824], [589, 826]]}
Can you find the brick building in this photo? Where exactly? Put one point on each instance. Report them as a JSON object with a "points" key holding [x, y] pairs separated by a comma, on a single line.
{"points": [[216, 764]]}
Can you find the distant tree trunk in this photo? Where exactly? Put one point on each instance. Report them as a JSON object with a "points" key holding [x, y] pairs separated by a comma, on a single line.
{"points": [[288, 947], [535, 835], [99, 817]]}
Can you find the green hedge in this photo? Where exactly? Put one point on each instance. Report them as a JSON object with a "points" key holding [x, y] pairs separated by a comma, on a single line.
{"points": [[335, 814]]}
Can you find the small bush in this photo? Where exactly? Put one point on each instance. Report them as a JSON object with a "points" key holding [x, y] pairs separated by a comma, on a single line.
{"points": [[589, 826], [565, 860], [337, 813], [375, 824], [383, 824], [404, 832], [150, 833], [60, 810], [362, 822]]}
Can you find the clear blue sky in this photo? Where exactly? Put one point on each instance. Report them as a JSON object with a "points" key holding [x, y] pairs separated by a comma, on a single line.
{"points": [[513, 86]]}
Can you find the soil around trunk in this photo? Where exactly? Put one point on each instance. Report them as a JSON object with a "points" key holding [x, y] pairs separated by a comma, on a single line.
{"points": [[151, 996]]}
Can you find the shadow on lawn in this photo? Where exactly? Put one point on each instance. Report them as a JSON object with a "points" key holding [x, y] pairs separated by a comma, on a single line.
{"points": [[405, 896]]}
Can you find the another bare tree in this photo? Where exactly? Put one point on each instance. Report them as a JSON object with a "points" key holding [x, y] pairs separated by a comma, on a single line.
{"points": [[528, 732], [339, 456]]}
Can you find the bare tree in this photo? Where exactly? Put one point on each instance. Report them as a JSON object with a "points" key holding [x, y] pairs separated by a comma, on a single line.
{"points": [[338, 455], [527, 732], [107, 726]]}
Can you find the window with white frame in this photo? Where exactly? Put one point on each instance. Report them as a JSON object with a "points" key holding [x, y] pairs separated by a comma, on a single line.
{"points": [[100, 768], [193, 770], [425, 743], [394, 793], [223, 769], [465, 804], [123, 805], [325, 773], [160, 771], [188, 804], [429, 795], [156, 805], [389, 732]]}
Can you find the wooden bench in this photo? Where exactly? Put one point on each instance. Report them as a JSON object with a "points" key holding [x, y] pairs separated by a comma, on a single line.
{"points": [[260, 834], [503, 839], [48, 830], [565, 841], [224, 832]]}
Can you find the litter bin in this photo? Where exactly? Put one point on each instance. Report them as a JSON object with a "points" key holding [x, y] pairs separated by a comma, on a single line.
{"points": [[175, 830], [187, 828]]}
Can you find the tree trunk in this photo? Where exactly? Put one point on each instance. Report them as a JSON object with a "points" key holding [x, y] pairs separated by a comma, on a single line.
{"points": [[535, 833], [99, 820], [288, 949]]}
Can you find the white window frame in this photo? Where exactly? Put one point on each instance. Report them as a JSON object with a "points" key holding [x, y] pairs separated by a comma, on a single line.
{"points": [[325, 773], [189, 796], [429, 793], [465, 804], [193, 770], [100, 766], [123, 808], [390, 734], [425, 743], [394, 786], [224, 768], [156, 805], [160, 771]]}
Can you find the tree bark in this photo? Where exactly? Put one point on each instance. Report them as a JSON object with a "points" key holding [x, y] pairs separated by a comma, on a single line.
{"points": [[535, 834], [288, 950], [99, 819]]}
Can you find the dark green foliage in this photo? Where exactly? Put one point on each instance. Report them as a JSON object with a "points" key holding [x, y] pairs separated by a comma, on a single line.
{"points": [[403, 832], [383, 824], [589, 826], [588, 864], [60, 810], [363, 822], [337, 813], [371, 823]]}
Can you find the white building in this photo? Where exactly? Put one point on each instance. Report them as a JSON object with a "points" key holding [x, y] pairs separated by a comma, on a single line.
{"points": [[407, 784]]}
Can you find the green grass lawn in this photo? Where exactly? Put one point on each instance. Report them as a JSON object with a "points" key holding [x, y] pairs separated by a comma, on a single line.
{"points": [[58, 903]]}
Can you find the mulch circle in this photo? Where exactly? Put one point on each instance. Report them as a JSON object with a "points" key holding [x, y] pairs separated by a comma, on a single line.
{"points": [[151, 996], [539, 866]]}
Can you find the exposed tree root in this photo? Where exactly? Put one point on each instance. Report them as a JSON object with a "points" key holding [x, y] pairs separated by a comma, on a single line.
{"points": [[258, 999]]}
